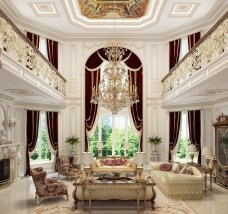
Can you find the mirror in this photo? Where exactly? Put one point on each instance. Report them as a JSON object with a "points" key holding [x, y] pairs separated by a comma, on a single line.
{"points": [[2, 125]]}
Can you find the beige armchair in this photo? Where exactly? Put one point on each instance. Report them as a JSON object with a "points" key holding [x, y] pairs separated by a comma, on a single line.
{"points": [[47, 187], [66, 167]]}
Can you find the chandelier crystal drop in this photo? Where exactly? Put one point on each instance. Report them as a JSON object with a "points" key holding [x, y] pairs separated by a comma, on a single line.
{"points": [[114, 91]]}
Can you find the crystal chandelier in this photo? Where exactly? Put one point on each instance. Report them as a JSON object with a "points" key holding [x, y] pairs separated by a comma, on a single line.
{"points": [[115, 91]]}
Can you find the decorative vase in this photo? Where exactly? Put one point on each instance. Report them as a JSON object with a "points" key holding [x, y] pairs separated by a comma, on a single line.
{"points": [[73, 148], [154, 148]]}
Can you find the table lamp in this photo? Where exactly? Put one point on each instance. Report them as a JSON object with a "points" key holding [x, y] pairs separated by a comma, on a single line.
{"points": [[191, 150], [207, 153], [87, 160], [140, 159]]}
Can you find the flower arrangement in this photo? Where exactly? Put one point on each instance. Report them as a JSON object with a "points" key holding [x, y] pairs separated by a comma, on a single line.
{"points": [[72, 140], [155, 140]]}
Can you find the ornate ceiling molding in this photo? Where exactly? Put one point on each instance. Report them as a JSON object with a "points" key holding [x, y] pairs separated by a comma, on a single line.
{"points": [[151, 15]]}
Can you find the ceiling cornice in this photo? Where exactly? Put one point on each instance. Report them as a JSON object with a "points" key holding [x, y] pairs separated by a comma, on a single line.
{"points": [[198, 25]]}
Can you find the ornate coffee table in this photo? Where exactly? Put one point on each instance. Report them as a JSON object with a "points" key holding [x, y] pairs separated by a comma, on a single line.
{"points": [[108, 189]]}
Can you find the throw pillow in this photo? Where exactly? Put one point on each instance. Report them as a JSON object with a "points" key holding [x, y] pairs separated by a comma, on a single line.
{"points": [[103, 162], [183, 170], [178, 169], [165, 167], [109, 162], [189, 171], [117, 162], [175, 165]]}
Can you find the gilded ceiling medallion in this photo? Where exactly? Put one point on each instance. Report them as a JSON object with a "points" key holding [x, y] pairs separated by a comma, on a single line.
{"points": [[113, 9]]}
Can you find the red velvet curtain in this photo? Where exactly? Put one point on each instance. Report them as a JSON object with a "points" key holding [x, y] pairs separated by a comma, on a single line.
{"points": [[35, 39], [194, 123], [52, 50], [174, 128], [136, 79], [52, 127], [92, 79], [193, 39], [174, 52], [32, 135]]}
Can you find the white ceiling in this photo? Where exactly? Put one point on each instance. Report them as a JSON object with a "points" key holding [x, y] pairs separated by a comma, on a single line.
{"points": [[162, 18]]}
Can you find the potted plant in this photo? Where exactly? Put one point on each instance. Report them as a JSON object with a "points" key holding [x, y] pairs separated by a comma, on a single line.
{"points": [[72, 141], [154, 141]]}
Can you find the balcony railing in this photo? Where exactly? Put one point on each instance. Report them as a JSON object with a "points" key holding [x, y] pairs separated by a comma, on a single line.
{"points": [[20, 48], [208, 49]]}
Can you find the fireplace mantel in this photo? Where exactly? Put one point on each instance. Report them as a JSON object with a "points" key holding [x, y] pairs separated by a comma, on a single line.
{"points": [[11, 151]]}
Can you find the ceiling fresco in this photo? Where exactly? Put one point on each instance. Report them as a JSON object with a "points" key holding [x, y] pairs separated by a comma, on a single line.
{"points": [[113, 9]]}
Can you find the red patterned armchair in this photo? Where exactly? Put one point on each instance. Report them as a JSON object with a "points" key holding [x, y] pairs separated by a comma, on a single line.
{"points": [[47, 187], [67, 167]]}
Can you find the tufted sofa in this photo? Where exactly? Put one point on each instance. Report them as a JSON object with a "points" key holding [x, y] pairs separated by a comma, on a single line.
{"points": [[113, 164], [184, 186]]}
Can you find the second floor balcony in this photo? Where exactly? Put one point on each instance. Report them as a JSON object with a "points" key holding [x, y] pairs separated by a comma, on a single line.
{"points": [[201, 76], [26, 75]]}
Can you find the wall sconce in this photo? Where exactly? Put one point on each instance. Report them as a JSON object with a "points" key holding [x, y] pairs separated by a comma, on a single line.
{"points": [[12, 122]]}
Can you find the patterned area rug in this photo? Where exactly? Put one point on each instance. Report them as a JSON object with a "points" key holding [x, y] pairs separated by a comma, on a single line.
{"points": [[174, 207]]}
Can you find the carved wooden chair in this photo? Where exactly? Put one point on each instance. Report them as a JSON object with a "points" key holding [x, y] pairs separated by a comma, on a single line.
{"points": [[47, 187], [67, 167]]}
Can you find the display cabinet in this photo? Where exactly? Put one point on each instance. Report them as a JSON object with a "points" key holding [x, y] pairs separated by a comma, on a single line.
{"points": [[221, 149]]}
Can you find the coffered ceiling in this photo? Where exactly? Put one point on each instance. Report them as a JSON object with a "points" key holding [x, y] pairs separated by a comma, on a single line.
{"points": [[100, 18]]}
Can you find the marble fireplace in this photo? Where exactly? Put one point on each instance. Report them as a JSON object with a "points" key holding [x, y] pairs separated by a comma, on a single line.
{"points": [[9, 163]]}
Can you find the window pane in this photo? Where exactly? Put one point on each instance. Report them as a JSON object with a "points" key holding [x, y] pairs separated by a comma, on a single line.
{"points": [[184, 133], [184, 47], [43, 46], [121, 131], [42, 151]]}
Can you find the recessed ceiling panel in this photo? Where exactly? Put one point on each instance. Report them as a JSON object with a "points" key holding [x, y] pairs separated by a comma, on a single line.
{"points": [[43, 9], [109, 9], [182, 9]]}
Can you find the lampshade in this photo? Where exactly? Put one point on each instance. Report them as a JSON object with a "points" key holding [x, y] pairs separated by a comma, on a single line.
{"points": [[140, 158], [192, 148], [99, 145], [207, 151], [87, 158]]}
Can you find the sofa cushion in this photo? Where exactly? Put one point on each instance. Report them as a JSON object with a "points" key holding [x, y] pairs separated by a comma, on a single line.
{"points": [[165, 167]]}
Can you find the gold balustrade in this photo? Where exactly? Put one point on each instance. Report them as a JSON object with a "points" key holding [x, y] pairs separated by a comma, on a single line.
{"points": [[20, 48], [208, 48]]}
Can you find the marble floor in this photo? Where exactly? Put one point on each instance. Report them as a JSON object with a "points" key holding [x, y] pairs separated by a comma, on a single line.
{"points": [[19, 199]]}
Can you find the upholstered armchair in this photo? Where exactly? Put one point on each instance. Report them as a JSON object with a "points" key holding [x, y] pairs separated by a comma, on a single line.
{"points": [[47, 187], [67, 167]]}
